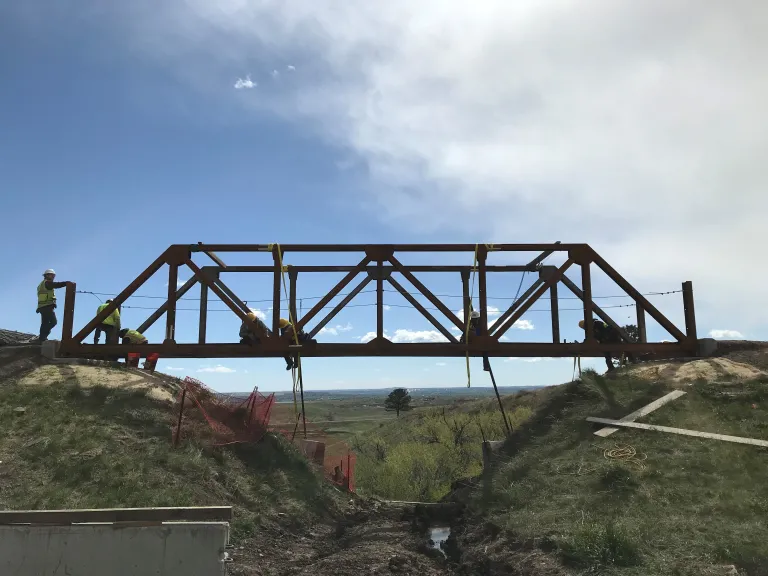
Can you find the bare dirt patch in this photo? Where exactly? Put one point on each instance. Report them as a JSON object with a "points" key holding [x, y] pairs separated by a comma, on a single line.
{"points": [[89, 376], [710, 369]]}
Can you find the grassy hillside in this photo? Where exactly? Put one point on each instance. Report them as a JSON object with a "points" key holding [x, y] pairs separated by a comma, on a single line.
{"points": [[683, 506], [555, 502], [65, 445]]}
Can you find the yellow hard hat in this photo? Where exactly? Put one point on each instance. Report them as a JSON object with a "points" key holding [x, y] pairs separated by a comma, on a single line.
{"points": [[283, 323], [581, 324], [251, 315]]}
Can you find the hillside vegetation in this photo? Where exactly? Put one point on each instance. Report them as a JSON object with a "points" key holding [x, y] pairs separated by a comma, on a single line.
{"points": [[556, 502], [77, 441]]}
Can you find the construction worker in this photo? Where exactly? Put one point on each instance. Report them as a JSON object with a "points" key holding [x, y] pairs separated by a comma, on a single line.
{"points": [[133, 337], [606, 334], [286, 331], [247, 335], [46, 303], [474, 326], [110, 325]]}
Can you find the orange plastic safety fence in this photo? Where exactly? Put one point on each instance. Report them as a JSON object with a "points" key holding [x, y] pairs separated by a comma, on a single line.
{"points": [[231, 419], [320, 446]]}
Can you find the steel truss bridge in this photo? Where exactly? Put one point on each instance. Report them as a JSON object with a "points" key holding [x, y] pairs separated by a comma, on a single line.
{"points": [[379, 264]]}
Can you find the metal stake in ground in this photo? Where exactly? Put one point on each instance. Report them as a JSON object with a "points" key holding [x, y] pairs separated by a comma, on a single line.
{"points": [[487, 368]]}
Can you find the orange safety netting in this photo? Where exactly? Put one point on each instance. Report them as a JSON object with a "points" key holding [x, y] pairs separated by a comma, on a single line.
{"points": [[232, 419], [320, 446]]}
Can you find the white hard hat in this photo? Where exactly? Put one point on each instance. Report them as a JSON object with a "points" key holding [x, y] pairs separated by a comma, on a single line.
{"points": [[49, 271], [475, 314]]}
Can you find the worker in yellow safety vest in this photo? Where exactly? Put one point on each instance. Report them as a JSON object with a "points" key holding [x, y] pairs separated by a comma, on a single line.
{"points": [[110, 325], [286, 332], [132, 337], [46, 303]]}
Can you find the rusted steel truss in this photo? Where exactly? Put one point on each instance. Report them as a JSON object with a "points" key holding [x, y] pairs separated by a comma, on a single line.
{"points": [[379, 265]]}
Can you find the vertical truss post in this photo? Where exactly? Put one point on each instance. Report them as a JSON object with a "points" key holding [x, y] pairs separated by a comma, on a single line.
{"points": [[641, 333], [203, 327], [380, 299], [276, 293], [690, 313], [482, 255], [555, 313], [170, 314], [69, 312], [292, 278], [586, 288], [465, 295]]}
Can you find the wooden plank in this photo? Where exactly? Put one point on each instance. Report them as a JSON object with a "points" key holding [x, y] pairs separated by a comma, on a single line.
{"points": [[645, 410], [199, 514], [681, 431]]}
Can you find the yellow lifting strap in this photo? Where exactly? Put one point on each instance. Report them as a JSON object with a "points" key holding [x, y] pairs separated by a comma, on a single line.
{"points": [[296, 381], [468, 313]]}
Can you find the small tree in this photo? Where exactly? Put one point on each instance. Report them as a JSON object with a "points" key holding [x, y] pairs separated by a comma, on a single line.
{"points": [[633, 332], [399, 400]]}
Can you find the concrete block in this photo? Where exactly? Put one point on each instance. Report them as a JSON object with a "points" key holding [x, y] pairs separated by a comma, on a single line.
{"points": [[706, 347], [50, 349], [167, 549], [313, 450]]}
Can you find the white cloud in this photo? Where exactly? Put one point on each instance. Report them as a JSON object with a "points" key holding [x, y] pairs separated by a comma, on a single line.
{"points": [[174, 369], [726, 334], [387, 307], [245, 83], [334, 330], [403, 335], [440, 364], [290, 68], [179, 283], [603, 103], [492, 312], [534, 359], [367, 337], [260, 314], [523, 325], [219, 369]]}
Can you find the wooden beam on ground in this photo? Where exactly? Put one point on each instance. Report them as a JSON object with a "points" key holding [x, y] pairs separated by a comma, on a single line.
{"points": [[681, 431], [63, 517], [644, 411]]}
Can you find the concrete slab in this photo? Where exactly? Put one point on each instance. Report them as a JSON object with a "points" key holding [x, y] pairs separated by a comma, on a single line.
{"points": [[159, 549]]}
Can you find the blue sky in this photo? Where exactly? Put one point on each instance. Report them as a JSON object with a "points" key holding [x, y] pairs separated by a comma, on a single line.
{"points": [[126, 129]]}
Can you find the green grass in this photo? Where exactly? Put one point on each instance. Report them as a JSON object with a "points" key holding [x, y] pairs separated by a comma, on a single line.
{"points": [[103, 447], [420, 455], [695, 504]]}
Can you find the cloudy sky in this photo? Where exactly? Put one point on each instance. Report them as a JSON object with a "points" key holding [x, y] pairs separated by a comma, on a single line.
{"points": [[638, 127]]}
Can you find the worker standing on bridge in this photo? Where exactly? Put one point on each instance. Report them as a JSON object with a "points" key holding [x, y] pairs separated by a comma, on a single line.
{"points": [[286, 331], [474, 326], [606, 334], [133, 337], [110, 325], [46, 303]]}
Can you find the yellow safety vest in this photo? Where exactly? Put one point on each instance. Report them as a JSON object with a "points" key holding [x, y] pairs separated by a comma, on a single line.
{"points": [[135, 337], [45, 297], [111, 320]]}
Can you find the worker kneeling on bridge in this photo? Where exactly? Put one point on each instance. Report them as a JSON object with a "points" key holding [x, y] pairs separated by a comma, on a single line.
{"points": [[606, 334], [133, 337], [286, 331], [247, 335]]}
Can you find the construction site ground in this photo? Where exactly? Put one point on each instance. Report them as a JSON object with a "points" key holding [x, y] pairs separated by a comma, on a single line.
{"points": [[553, 503]]}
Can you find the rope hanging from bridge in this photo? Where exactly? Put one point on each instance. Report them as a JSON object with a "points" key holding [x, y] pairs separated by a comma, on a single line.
{"points": [[296, 372], [468, 313]]}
